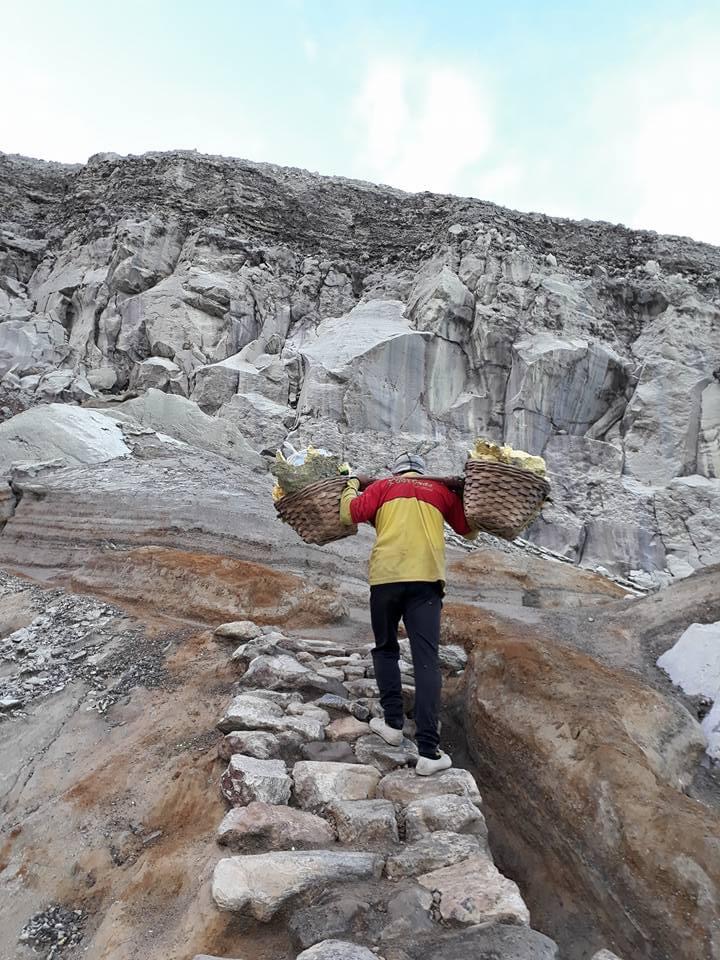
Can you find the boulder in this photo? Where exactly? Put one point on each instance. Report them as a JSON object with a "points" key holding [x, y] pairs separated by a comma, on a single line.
{"points": [[373, 750], [335, 917], [560, 384], [452, 657], [338, 752], [31, 346], [331, 701], [443, 812], [102, 378], [337, 950], [163, 320], [216, 383], [206, 956], [404, 786], [321, 648], [688, 517], [263, 422], [409, 915], [63, 385], [693, 664], [259, 827], [317, 784], [434, 850], [253, 712], [364, 821], [493, 941], [300, 709], [160, 374], [253, 743], [247, 779], [260, 885], [71, 435], [285, 673], [661, 425], [238, 630], [180, 418], [347, 728], [371, 370], [267, 375], [442, 304], [474, 891], [250, 649]]}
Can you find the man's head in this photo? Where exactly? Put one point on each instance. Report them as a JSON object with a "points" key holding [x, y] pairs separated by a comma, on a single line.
{"points": [[408, 463]]}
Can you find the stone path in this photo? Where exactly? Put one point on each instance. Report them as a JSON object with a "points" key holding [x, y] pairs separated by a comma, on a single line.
{"points": [[330, 828]]}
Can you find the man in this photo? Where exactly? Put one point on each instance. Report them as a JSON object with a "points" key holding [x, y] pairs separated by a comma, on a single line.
{"points": [[407, 580]]}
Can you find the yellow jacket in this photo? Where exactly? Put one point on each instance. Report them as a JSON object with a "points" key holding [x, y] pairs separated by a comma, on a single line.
{"points": [[408, 513]]}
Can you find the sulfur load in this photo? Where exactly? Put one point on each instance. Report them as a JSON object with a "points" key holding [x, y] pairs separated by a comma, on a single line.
{"points": [[301, 468], [494, 453]]}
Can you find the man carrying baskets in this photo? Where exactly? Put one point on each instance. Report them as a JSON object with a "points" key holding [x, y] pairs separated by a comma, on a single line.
{"points": [[407, 580]]}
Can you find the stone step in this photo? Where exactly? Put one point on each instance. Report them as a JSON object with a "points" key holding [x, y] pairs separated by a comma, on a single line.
{"points": [[404, 786], [504, 941], [337, 950], [247, 779], [317, 784], [260, 744], [475, 892], [260, 827], [262, 884], [346, 728], [285, 672], [444, 811], [431, 852], [361, 822], [251, 712], [373, 750]]}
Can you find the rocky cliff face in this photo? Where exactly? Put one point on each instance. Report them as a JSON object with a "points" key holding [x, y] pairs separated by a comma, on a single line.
{"points": [[282, 303]]}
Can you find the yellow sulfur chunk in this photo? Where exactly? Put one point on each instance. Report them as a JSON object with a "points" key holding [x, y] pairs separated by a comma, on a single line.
{"points": [[489, 451]]}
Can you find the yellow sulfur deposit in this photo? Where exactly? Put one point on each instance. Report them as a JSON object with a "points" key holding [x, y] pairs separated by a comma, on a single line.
{"points": [[487, 450], [303, 467]]}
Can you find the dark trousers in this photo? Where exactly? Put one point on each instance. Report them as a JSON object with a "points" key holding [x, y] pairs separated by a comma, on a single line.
{"points": [[419, 604]]}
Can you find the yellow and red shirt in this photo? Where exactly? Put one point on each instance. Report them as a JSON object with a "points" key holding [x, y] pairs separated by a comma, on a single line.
{"points": [[408, 513]]}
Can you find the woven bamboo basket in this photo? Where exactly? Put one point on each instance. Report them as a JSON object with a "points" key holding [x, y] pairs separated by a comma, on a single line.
{"points": [[314, 512], [501, 499]]}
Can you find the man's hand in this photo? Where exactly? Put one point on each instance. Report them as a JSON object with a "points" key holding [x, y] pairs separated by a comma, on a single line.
{"points": [[364, 480]]}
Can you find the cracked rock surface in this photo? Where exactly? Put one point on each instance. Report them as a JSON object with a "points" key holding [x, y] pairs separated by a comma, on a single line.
{"points": [[231, 305]]}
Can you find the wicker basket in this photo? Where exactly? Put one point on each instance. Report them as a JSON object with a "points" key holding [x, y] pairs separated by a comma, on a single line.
{"points": [[500, 499], [314, 512]]}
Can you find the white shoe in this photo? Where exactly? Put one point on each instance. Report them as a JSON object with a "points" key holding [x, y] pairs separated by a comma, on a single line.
{"points": [[426, 766], [389, 734]]}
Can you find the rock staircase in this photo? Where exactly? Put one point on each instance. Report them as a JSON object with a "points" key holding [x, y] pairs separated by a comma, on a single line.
{"points": [[331, 831]]}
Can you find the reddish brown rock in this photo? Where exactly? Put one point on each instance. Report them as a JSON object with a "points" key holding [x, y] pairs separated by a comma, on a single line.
{"points": [[594, 760]]}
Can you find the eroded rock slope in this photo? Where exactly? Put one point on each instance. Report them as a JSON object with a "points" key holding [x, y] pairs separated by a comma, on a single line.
{"points": [[283, 304]]}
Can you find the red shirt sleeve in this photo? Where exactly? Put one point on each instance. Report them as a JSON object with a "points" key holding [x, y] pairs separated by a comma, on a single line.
{"points": [[365, 505], [455, 515]]}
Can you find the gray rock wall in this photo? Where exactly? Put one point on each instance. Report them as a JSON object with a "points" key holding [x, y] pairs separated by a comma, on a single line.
{"points": [[361, 317]]}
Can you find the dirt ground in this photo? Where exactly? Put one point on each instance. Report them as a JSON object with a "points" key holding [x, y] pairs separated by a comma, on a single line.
{"points": [[114, 814]]}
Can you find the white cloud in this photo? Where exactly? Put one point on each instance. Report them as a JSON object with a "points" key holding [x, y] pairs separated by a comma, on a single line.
{"points": [[310, 49], [421, 126], [661, 120]]}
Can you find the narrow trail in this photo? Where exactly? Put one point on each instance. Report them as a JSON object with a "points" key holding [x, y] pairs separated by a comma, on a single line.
{"points": [[332, 837]]}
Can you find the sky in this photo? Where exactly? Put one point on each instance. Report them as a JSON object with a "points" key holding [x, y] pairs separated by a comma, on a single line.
{"points": [[601, 110]]}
